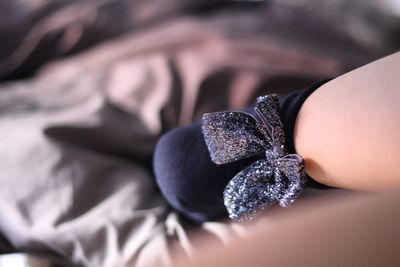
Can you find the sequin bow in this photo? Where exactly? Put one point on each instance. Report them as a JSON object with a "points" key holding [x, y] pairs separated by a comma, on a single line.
{"points": [[279, 177]]}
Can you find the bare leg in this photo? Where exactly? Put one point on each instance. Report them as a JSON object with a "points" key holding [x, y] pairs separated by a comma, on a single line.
{"points": [[315, 233], [348, 131]]}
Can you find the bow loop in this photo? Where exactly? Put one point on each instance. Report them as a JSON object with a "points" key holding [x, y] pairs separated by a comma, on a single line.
{"points": [[231, 136]]}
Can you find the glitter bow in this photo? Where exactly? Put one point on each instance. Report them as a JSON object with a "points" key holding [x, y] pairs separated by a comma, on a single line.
{"points": [[279, 177]]}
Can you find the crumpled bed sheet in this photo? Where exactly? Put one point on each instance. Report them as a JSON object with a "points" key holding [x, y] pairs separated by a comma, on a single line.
{"points": [[76, 139]]}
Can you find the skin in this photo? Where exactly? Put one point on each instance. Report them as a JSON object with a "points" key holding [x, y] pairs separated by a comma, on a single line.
{"points": [[336, 230], [348, 131]]}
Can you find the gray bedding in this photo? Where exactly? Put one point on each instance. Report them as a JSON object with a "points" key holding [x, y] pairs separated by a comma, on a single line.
{"points": [[77, 133]]}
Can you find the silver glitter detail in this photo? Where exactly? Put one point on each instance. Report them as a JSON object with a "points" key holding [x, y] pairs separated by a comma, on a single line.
{"points": [[280, 177], [250, 191], [292, 166], [231, 136]]}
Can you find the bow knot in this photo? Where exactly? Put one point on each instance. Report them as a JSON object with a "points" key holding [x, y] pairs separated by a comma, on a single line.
{"points": [[279, 177]]}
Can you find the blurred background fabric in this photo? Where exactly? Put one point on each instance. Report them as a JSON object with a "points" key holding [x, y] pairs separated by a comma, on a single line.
{"points": [[87, 87]]}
